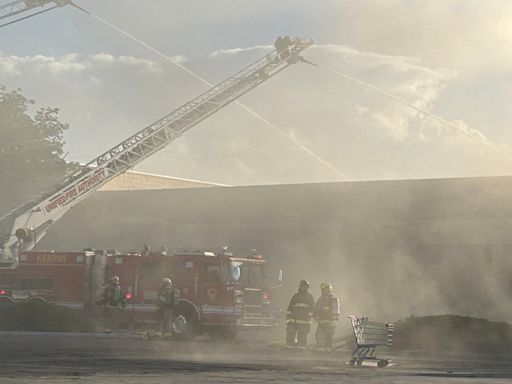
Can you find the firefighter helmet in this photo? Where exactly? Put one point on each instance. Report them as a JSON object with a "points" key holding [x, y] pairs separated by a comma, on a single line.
{"points": [[326, 287], [115, 280], [166, 282], [304, 284]]}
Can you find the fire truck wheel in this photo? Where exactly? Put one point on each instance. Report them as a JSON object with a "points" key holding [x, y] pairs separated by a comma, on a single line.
{"points": [[37, 301], [6, 299], [222, 333], [185, 323]]}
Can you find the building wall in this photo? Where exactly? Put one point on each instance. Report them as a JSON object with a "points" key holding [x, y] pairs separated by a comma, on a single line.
{"points": [[131, 180], [391, 248]]}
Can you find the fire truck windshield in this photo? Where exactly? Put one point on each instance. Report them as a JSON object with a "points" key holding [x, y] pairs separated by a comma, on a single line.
{"points": [[248, 274]]}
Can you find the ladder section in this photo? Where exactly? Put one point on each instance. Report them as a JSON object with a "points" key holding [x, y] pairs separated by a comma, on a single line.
{"points": [[173, 125], [19, 6]]}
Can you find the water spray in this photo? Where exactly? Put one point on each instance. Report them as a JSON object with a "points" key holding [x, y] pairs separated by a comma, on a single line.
{"points": [[293, 139]]}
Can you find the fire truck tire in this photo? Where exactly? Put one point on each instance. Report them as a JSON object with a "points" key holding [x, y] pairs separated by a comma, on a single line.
{"points": [[6, 299], [37, 301], [187, 329], [222, 333]]}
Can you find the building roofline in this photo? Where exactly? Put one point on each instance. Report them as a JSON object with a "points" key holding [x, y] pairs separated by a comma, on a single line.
{"points": [[179, 178]]}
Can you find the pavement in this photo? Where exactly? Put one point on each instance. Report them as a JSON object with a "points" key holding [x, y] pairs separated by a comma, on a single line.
{"points": [[110, 358]]}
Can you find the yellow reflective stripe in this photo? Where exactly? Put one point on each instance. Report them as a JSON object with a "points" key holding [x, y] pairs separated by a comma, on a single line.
{"points": [[301, 305], [290, 320], [327, 321], [303, 321]]}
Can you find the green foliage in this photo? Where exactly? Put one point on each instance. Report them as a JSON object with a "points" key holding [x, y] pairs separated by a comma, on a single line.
{"points": [[31, 149]]}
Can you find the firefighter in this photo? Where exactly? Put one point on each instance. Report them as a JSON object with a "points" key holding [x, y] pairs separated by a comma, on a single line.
{"points": [[113, 301], [299, 316], [167, 301], [327, 313], [279, 44], [113, 295], [282, 45]]}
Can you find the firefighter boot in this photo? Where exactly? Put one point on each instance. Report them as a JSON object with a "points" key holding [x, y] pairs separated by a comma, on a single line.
{"points": [[324, 337], [302, 335]]}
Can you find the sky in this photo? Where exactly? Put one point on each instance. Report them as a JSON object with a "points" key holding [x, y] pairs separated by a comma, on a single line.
{"points": [[452, 58]]}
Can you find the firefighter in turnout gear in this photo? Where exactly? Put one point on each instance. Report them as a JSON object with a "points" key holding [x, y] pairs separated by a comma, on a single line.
{"points": [[327, 313], [113, 295], [299, 316], [167, 301], [113, 301]]}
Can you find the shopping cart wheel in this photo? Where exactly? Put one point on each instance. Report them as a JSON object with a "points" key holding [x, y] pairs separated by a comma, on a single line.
{"points": [[382, 363]]}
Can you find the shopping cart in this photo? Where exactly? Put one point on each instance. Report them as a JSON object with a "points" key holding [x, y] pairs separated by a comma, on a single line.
{"points": [[369, 335]]}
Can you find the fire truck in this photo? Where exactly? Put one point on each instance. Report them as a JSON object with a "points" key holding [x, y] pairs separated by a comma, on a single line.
{"points": [[219, 293]]}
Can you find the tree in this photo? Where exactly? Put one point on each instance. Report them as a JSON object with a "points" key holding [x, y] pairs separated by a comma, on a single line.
{"points": [[31, 149]]}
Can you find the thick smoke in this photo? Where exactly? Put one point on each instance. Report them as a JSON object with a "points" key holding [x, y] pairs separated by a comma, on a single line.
{"points": [[391, 249]]}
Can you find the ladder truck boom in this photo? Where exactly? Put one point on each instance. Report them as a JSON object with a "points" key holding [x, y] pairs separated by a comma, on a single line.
{"points": [[20, 6], [23, 227]]}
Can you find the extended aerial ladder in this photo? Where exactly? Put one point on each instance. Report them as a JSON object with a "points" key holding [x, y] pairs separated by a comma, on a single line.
{"points": [[23, 227], [18, 7]]}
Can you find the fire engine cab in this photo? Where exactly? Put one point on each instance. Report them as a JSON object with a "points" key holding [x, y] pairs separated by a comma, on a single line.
{"points": [[219, 293]]}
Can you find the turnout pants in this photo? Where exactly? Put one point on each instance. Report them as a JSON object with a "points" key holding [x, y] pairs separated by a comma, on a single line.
{"points": [[297, 334], [166, 319], [324, 335], [112, 317]]}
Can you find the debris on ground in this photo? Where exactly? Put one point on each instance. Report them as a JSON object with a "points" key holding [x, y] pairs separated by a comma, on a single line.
{"points": [[452, 333]]}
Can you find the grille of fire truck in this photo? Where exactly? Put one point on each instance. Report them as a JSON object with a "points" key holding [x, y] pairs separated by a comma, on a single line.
{"points": [[252, 301]]}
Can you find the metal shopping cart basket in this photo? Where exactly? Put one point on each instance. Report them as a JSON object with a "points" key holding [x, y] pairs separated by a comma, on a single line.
{"points": [[369, 335]]}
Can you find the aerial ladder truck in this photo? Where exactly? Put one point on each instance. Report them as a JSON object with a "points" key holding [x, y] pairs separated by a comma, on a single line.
{"points": [[24, 226]]}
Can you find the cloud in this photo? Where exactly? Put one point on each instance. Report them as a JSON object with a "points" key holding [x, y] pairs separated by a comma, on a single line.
{"points": [[71, 63], [103, 58], [179, 59], [236, 51]]}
